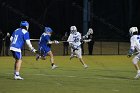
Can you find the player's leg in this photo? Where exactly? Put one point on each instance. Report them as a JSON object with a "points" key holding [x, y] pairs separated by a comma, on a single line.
{"points": [[42, 54], [79, 55], [17, 66], [73, 54], [38, 56], [82, 61], [52, 60], [135, 62], [17, 70]]}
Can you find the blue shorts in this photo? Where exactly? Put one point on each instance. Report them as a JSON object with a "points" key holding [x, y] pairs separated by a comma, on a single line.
{"points": [[17, 55], [44, 51]]}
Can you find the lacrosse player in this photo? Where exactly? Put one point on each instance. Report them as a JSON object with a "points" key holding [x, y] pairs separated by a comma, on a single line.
{"points": [[74, 40], [44, 46], [135, 45], [18, 38]]}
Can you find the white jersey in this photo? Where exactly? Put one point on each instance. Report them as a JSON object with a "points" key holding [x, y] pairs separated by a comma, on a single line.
{"points": [[75, 39], [135, 42]]}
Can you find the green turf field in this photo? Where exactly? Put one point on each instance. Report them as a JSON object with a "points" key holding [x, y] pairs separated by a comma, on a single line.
{"points": [[106, 74]]}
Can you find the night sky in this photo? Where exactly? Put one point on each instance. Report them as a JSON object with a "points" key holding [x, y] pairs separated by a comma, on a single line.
{"points": [[110, 19]]}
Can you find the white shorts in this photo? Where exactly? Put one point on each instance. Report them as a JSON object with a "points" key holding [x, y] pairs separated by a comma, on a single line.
{"points": [[78, 52]]}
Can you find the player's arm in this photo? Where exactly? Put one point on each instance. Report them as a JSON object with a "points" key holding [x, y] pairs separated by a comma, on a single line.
{"points": [[70, 40], [28, 42], [49, 41], [53, 42], [130, 53], [132, 48]]}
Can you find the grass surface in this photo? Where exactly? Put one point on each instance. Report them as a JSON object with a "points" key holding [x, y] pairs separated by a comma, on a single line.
{"points": [[106, 74]]}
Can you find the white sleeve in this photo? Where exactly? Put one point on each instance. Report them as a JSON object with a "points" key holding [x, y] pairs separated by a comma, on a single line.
{"points": [[70, 38], [29, 44]]}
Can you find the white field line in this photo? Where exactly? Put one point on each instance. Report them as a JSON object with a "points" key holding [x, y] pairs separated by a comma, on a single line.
{"points": [[68, 76]]}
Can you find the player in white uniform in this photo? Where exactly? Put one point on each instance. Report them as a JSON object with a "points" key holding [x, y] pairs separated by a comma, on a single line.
{"points": [[74, 40], [18, 38], [135, 45]]}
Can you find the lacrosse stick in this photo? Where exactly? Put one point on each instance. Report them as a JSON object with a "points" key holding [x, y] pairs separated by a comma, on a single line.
{"points": [[132, 54]]}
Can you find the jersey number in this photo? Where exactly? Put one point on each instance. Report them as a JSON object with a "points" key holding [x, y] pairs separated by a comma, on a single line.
{"points": [[76, 39], [15, 39]]}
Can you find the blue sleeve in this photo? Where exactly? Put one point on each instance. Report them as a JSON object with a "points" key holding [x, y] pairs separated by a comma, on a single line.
{"points": [[26, 36]]}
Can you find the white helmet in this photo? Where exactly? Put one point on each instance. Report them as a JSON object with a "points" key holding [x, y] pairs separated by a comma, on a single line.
{"points": [[132, 30], [73, 29]]}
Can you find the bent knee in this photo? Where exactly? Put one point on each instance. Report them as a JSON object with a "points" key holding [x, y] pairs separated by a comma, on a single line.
{"points": [[135, 60]]}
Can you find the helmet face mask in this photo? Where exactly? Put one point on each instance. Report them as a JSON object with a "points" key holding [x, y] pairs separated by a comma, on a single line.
{"points": [[24, 24], [73, 29], [133, 30]]}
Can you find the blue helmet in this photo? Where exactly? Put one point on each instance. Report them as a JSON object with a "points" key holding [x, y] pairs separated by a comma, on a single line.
{"points": [[24, 23], [48, 29]]}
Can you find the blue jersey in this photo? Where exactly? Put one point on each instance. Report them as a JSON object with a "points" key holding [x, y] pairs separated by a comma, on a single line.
{"points": [[44, 48], [44, 39], [19, 37]]}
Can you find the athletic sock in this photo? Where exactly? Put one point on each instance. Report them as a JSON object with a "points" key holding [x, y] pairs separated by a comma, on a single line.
{"points": [[17, 73]]}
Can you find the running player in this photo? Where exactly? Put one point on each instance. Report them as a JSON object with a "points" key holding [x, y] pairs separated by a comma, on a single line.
{"points": [[135, 45], [74, 40], [44, 46]]}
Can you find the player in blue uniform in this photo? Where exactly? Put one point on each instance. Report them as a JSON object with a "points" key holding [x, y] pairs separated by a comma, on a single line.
{"points": [[18, 38], [44, 46]]}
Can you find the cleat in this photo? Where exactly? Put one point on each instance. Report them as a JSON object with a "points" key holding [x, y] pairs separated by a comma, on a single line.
{"points": [[54, 67], [18, 78], [137, 76], [85, 66], [71, 57], [37, 57]]}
